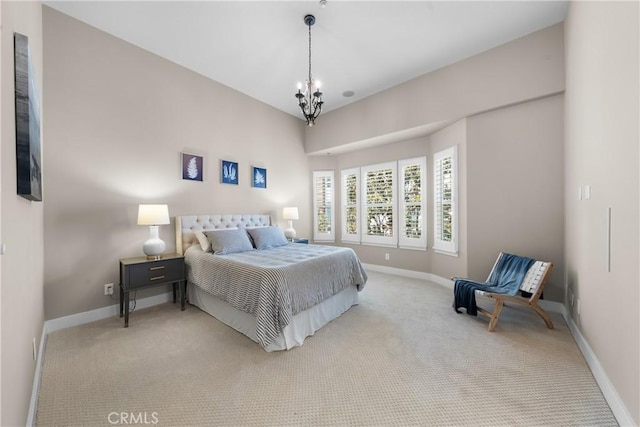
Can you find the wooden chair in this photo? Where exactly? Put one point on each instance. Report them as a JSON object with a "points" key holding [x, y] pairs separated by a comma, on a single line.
{"points": [[533, 284]]}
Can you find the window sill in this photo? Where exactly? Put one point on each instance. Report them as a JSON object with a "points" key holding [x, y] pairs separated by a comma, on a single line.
{"points": [[447, 253], [413, 248]]}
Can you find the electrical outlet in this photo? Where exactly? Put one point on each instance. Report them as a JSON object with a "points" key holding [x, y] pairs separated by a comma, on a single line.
{"points": [[108, 289], [386, 257]]}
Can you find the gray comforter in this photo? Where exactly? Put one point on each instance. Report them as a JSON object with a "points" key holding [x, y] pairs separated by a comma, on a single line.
{"points": [[275, 284]]}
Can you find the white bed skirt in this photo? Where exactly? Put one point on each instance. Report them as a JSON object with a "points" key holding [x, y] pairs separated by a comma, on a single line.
{"points": [[302, 325]]}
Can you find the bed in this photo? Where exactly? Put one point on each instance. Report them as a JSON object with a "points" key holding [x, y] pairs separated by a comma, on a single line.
{"points": [[277, 294]]}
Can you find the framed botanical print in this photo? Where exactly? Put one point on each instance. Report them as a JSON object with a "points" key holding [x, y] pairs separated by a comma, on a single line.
{"points": [[259, 177], [229, 172], [192, 167]]}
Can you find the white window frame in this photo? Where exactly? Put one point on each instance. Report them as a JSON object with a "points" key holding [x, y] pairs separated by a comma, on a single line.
{"points": [[330, 236], [404, 241], [378, 240], [440, 245], [350, 237]]}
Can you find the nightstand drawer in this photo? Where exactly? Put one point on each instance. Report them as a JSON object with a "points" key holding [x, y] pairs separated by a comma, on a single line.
{"points": [[147, 274]]}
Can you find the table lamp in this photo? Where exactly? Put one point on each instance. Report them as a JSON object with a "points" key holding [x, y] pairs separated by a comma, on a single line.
{"points": [[153, 216], [290, 213]]}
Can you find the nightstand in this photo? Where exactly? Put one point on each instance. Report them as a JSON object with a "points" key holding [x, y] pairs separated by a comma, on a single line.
{"points": [[304, 241], [140, 273]]}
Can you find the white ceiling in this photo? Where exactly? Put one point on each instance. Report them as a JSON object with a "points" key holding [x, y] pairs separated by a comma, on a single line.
{"points": [[260, 48]]}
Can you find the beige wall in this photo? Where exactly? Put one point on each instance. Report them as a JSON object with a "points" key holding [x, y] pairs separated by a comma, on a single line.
{"points": [[516, 187], [22, 229], [118, 118], [602, 150], [526, 68]]}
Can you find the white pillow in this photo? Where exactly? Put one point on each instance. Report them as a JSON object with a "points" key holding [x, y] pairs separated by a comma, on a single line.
{"points": [[202, 239], [205, 244]]}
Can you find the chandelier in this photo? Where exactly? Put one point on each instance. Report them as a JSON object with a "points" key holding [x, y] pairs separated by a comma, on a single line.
{"points": [[310, 101]]}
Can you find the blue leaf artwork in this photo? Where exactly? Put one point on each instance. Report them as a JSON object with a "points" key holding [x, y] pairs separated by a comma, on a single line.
{"points": [[259, 177], [191, 167], [229, 172]]}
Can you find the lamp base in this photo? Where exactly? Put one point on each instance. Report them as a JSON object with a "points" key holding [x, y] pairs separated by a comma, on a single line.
{"points": [[154, 247], [290, 234]]}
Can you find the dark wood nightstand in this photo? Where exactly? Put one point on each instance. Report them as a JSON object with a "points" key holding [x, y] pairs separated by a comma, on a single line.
{"points": [[300, 240], [140, 272]]}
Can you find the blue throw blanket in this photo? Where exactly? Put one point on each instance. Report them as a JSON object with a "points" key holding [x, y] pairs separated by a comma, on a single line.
{"points": [[505, 278]]}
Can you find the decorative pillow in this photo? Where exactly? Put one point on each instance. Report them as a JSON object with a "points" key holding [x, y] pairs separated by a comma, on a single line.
{"points": [[267, 237], [202, 239], [228, 241], [205, 244]]}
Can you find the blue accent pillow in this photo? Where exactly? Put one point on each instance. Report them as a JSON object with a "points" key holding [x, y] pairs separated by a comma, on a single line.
{"points": [[228, 241], [267, 237]]}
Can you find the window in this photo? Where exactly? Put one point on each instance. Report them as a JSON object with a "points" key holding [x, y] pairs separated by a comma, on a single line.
{"points": [[378, 210], [323, 200], [412, 203], [350, 205], [444, 195], [385, 204]]}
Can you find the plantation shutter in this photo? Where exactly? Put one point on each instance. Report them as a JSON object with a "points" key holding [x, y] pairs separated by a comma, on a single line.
{"points": [[350, 205], [412, 203], [445, 214], [378, 198], [323, 206]]}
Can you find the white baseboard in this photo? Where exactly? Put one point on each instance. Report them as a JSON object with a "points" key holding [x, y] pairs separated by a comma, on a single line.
{"points": [[102, 313], [75, 320], [31, 421], [410, 273], [609, 392]]}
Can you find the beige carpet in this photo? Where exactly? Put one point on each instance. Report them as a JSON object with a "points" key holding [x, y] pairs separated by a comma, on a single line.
{"points": [[401, 357]]}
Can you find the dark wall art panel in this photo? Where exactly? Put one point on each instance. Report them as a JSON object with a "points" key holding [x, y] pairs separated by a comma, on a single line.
{"points": [[29, 171], [192, 167]]}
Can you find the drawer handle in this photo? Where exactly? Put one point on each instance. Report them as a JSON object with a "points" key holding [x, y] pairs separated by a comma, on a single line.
{"points": [[156, 268], [156, 278]]}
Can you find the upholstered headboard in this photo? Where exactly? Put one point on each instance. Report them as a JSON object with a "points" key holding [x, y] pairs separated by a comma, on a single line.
{"points": [[187, 224]]}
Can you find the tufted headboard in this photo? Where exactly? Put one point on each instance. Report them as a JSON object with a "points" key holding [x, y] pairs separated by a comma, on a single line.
{"points": [[187, 224]]}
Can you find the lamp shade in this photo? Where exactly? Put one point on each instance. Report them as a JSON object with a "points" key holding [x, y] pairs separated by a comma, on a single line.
{"points": [[153, 215], [290, 213]]}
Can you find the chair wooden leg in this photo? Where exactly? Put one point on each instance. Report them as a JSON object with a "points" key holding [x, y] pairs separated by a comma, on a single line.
{"points": [[497, 308], [543, 314]]}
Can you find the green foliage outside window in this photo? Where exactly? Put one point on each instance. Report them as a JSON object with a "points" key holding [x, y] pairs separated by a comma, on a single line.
{"points": [[352, 198], [379, 187], [412, 199]]}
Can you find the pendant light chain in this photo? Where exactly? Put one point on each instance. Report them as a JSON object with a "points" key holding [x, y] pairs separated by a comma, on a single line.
{"points": [[309, 54]]}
